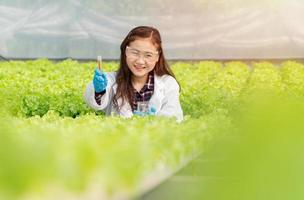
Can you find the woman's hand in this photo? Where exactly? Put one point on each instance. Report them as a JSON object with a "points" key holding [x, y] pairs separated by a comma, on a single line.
{"points": [[100, 81]]}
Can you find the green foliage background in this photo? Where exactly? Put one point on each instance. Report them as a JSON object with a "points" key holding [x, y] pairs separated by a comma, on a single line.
{"points": [[51, 141]]}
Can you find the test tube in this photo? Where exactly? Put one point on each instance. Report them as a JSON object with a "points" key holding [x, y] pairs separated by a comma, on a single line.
{"points": [[143, 106], [99, 61]]}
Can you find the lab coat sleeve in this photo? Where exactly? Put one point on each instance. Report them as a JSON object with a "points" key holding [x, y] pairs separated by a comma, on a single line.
{"points": [[171, 104]]}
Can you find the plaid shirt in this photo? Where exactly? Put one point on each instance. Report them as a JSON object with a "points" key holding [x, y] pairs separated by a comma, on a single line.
{"points": [[145, 93]]}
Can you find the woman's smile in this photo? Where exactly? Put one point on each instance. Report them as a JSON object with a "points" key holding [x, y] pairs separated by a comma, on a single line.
{"points": [[139, 67]]}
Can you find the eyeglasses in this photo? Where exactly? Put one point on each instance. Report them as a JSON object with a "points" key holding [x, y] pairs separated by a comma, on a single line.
{"points": [[135, 54]]}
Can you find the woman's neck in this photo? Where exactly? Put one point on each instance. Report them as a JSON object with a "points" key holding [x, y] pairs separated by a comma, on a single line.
{"points": [[139, 82]]}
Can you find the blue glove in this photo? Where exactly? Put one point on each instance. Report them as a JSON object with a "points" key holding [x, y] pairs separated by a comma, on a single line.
{"points": [[100, 81], [138, 113], [151, 111]]}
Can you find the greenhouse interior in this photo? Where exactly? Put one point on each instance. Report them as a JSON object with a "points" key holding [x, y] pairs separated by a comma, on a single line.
{"points": [[151, 99]]}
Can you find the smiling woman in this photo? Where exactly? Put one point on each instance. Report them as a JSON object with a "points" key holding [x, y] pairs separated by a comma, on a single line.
{"points": [[143, 77]]}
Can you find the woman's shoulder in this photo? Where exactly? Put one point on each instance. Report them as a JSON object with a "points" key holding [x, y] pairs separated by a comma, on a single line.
{"points": [[111, 76], [167, 80]]}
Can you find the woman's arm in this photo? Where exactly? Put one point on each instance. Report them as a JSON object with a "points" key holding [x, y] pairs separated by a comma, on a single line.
{"points": [[105, 99], [171, 104]]}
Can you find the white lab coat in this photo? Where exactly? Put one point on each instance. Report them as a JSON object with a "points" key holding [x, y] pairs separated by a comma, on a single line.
{"points": [[165, 98]]}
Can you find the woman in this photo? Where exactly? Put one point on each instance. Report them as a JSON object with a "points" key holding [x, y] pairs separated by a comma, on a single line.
{"points": [[143, 76]]}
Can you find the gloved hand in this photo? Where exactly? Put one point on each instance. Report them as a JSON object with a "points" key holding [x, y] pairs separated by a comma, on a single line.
{"points": [[100, 81], [151, 111]]}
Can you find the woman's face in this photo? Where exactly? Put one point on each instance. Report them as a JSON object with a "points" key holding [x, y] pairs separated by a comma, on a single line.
{"points": [[141, 56]]}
